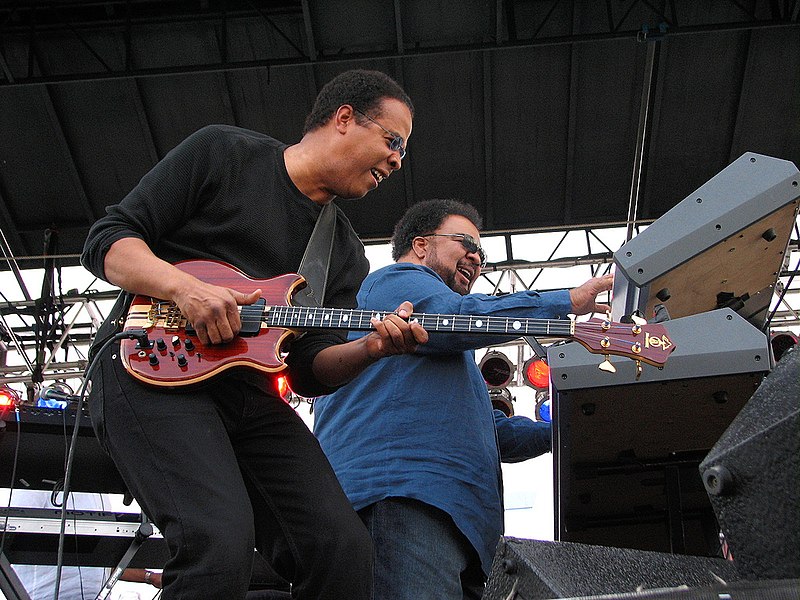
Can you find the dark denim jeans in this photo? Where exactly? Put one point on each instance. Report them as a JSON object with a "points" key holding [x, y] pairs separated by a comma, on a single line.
{"points": [[420, 553]]}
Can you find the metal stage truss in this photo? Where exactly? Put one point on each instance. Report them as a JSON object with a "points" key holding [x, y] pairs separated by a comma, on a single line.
{"points": [[78, 314]]}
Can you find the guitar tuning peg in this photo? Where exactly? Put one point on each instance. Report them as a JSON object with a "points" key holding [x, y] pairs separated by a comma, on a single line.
{"points": [[638, 320], [607, 366], [638, 369]]}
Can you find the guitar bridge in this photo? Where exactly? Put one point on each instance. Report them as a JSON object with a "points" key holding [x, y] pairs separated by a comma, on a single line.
{"points": [[167, 315]]}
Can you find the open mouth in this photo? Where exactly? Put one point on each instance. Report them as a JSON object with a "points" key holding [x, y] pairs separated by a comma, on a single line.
{"points": [[467, 273], [377, 175]]}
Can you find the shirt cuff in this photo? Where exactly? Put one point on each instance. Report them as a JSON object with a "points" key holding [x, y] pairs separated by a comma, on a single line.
{"points": [[560, 303]]}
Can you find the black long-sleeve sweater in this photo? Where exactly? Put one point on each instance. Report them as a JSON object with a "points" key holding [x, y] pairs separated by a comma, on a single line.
{"points": [[224, 194]]}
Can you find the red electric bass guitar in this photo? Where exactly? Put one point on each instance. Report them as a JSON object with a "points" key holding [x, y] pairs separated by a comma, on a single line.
{"points": [[176, 357]]}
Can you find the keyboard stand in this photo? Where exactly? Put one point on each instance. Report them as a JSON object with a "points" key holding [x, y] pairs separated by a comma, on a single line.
{"points": [[145, 531]]}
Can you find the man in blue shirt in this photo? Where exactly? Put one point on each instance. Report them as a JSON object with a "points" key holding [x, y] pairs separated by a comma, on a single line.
{"points": [[412, 439]]}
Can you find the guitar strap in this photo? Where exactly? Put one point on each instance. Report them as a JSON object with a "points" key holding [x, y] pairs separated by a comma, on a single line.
{"points": [[317, 259]]}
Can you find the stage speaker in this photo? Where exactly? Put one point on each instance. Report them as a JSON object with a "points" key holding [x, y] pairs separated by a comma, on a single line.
{"points": [[721, 246], [532, 569], [626, 450], [752, 476]]}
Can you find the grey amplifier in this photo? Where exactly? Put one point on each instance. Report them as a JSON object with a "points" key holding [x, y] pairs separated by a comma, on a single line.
{"points": [[721, 246], [718, 342]]}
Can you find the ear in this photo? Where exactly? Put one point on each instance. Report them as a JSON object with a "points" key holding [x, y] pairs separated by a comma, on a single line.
{"points": [[419, 247], [343, 118]]}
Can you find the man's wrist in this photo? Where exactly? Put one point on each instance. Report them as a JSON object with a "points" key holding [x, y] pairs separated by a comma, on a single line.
{"points": [[148, 576]]}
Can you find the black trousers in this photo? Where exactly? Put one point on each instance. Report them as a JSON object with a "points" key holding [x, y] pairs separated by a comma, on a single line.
{"points": [[226, 468]]}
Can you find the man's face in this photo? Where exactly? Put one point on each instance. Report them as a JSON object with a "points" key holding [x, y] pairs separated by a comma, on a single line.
{"points": [[458, 267], [365, 158]]}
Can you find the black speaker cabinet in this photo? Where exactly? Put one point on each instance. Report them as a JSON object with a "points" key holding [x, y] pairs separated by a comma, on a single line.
{"points": [[752, 476], [532, 569], [626, 450]]}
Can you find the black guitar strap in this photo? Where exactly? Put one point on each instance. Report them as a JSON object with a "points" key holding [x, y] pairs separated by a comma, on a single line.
{"points": [[317, 259]]}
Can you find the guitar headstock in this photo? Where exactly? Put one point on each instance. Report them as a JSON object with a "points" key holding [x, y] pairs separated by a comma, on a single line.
{"points": [[647, 343]]}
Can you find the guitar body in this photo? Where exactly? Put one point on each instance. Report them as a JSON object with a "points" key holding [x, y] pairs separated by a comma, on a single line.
{"points": [[261, 351]]}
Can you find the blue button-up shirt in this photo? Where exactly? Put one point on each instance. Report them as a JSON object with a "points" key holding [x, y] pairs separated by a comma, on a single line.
{"points": [[421, 425]]}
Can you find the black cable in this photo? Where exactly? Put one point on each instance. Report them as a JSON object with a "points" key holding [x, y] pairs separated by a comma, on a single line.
{"points": [[13, 479], [139, 334], [58, 487]]}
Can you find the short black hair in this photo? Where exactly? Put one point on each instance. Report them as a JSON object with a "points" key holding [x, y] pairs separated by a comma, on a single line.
{"points": [[364, 90], [426, 217]]}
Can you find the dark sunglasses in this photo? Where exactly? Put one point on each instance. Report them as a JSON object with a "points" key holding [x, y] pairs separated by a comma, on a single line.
{"points": [[396, 143], [469, 243]]}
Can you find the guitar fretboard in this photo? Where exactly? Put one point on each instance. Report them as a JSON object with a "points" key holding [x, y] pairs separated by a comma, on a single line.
{"points": [[301, 317]]}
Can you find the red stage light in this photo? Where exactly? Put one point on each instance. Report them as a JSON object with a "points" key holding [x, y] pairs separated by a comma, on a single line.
{"points": [[282, 385], [536, 373], [8, 397]]}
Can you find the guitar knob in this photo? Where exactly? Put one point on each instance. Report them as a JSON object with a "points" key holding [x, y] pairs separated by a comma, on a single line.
{"points": [[161, 344], [182, 362], [188, 344], [176, 341], [153, 359]]}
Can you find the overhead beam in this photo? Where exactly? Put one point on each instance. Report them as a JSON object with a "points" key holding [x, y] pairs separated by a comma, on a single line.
{"points": [[488, 142], [69, 161], [387, 55], [740, 102], [572, 126]]}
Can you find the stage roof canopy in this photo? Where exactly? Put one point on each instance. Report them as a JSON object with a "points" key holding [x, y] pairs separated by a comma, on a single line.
{"points": [[542, 114]]}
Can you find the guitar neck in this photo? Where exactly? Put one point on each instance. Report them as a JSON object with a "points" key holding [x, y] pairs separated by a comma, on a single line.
{"points": [[301, 317]]}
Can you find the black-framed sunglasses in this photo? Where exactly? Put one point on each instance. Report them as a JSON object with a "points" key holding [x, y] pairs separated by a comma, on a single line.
{"points": [[469, 243], [396, 144]]}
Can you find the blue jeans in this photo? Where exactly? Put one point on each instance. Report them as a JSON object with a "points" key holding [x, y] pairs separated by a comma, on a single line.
{"points": [[420, 553]]}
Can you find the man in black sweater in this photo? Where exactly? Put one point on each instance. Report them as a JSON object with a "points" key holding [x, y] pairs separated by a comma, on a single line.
{"points": [[230, 466]]}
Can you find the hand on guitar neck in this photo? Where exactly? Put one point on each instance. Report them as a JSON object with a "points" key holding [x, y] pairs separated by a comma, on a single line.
{"points": [[393, 334]]}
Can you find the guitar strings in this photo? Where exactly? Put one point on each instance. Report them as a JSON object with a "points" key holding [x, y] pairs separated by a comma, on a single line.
{"points": [[281, 316], [291, 313]]}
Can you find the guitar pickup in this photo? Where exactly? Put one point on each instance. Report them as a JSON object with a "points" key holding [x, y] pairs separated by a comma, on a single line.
{"points": [[251, 318]]}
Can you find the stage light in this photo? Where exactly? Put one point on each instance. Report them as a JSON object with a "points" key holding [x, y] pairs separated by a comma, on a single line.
{"points": [[536, 373], [502, 400], [8, 397], [496, 369], [282, 386], [781, 342], [543, 406]]}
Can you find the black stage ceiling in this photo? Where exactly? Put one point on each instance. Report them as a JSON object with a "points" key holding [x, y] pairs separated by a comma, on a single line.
{"points": [[532, 110]]}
